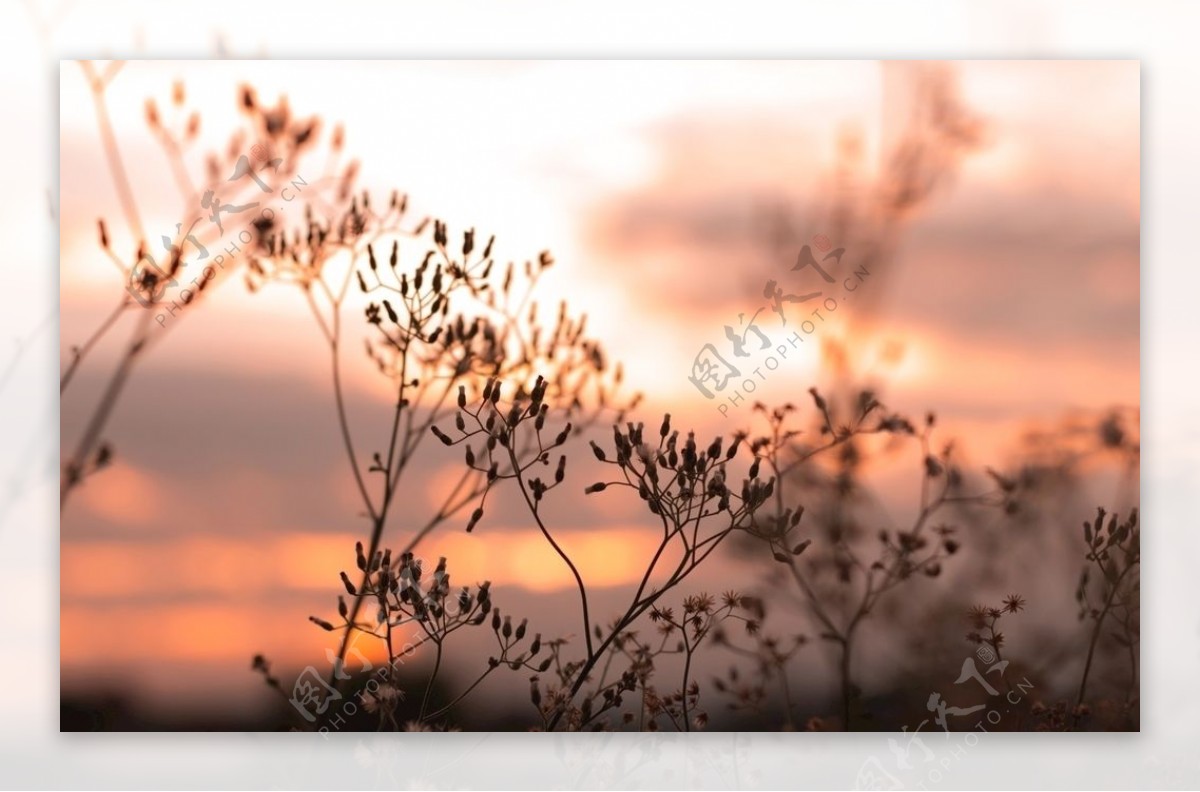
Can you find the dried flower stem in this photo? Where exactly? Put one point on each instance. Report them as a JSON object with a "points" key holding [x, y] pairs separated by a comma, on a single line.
{"points": [[1115, 551], [900, 560]]}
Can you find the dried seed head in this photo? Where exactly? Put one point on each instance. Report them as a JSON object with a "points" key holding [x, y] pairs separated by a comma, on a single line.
{"points": [[476, 516], [933, 468]]}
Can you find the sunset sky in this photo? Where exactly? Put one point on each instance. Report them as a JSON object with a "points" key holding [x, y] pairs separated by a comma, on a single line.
{"points": [[1013, 301]]}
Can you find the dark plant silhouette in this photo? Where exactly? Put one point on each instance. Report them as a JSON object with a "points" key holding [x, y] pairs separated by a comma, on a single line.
{"points": [[1114, 552], [440, 326], [471, 359], [685, 486]]}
